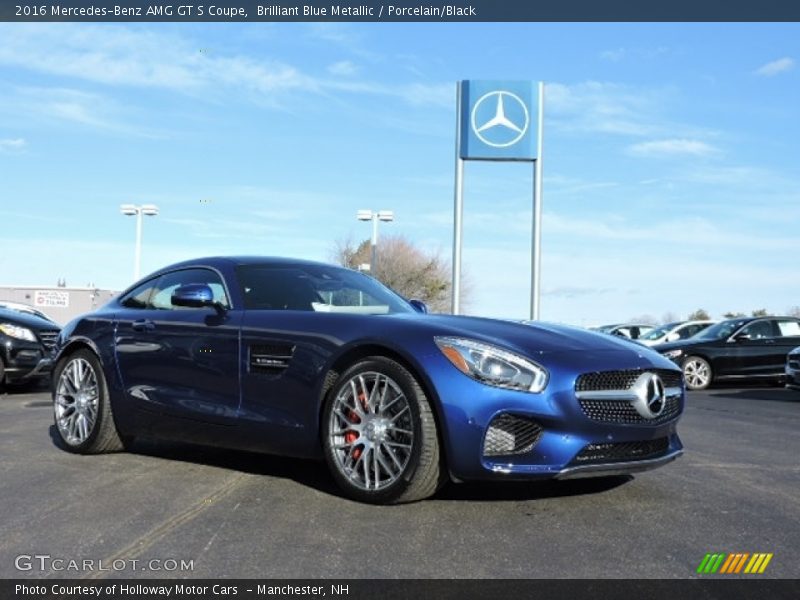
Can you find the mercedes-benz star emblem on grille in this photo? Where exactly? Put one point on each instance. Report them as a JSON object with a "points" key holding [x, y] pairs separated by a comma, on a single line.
{"points": [[650, 395], [491, 124]]}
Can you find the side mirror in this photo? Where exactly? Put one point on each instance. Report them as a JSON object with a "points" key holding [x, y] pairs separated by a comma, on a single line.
{"points": [[193, 295], [419, 306], [742, 337]]}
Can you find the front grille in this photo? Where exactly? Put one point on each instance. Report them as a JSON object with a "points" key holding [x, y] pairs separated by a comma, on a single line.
{"points": [[623, 380], [48, 338], [623, 412], [510, 434], [621, 452]]}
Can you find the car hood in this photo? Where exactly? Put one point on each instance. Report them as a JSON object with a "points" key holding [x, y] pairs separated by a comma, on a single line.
{"points": [[25, 320], [680, 345], [541, 340]]}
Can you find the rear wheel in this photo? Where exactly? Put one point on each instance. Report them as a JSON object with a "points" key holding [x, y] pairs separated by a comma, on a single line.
{"points": [[697, 373], [82, 408], [379, 434]]}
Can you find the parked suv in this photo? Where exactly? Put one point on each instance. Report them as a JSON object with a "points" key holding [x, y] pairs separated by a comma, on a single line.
{"points": [[26, 346]]}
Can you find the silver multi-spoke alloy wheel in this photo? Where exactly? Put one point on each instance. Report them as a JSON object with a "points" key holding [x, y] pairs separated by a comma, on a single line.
{"points": [[76, 401], [697, 373], [371, 430], [379, 434], [81, 405]]}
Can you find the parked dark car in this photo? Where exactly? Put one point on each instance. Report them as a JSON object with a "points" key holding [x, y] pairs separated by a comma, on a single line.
{"points": [[793, 369], [26, 346], [632, 331], [303, 359], [752, 348]]}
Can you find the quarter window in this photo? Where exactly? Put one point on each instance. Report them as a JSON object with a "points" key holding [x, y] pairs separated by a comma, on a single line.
{"points": [[789, 328], [139, 297]]}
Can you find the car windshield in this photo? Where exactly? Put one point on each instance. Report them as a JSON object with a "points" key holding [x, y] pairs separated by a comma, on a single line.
{"points": [[316, 288], [721, 330], [659, 332]]}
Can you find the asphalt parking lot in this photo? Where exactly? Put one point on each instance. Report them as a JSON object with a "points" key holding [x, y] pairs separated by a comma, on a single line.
{"points": [[242, 515]]}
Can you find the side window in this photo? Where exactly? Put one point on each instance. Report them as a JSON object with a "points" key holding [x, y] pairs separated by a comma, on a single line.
{"points": [[789, 328], [687, 332], [759, 330], [139, 297], [167, 284]]}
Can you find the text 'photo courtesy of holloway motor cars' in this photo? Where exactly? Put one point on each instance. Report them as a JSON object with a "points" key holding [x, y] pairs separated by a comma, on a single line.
{"points": [[303, 359]]}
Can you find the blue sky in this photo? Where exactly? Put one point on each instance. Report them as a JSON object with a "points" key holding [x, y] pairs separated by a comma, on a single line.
{"points": [[672, 154]]}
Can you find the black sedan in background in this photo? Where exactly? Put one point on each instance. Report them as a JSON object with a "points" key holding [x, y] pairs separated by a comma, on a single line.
{"points": [[26, 346], [746, 348]]}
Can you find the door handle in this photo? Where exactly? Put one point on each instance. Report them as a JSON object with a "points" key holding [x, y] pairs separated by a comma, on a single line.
{"points": [[143, 325]]}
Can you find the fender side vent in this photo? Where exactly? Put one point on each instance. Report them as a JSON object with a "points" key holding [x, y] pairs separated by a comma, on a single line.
{"points": [[270, 358]]}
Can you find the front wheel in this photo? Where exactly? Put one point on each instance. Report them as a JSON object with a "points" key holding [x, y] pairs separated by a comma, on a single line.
{"points": [[82, 408], [697, 373], [379, 434]]}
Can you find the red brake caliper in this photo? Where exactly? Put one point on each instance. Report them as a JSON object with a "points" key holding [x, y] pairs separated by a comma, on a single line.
{"points": [[352, 436]]}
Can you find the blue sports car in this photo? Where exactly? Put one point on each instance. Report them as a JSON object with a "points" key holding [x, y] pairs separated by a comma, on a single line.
{"points": [[309, 360]]}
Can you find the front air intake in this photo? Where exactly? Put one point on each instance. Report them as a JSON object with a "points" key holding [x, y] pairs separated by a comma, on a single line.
{"points": [[509, 435]]}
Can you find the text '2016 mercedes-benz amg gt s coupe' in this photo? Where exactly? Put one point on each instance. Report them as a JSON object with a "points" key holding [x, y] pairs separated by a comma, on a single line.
{"points": [[309, 360]]}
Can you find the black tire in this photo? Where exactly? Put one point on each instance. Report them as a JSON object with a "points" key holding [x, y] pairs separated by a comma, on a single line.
{"points": [[421, 473], [697, 373], [103, 436]]}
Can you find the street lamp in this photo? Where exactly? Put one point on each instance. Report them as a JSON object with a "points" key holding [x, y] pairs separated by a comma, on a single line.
{"points": [[374, 216], [137, 210]]}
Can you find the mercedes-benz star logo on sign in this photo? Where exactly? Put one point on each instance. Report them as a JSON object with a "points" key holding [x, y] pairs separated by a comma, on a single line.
{"points": [[500, 119], [650, 395]]}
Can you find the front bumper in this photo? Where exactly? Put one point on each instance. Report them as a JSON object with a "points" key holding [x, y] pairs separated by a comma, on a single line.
{"points": [[25, 361], [617, 468], [571, 443]]}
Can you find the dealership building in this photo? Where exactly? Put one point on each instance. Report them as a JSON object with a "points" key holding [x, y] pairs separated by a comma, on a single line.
{"points": [[60, 303]]}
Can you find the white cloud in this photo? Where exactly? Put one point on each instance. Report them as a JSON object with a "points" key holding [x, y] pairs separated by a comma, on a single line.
{"points": [[673, 147], [343, 68], [600, 107], [775, 67], [12, 144], [122, 56], [615, 55]]}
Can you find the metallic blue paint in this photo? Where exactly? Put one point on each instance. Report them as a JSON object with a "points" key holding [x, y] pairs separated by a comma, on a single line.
{"points": [[185, 375]]}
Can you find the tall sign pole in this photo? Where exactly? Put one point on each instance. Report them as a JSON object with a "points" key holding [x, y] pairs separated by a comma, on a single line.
{"points": [[495, 123], [458, 212], [536, 238]]}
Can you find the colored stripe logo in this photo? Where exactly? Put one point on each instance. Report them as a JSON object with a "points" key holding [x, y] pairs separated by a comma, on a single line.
{"points": [[734, 564]]}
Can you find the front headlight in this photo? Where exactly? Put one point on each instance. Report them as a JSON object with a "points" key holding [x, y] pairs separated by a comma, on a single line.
{"points": [[672, 354], [15, 331], [492, 365]]}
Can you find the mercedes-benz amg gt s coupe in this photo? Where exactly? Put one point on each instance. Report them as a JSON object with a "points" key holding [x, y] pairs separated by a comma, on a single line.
{"points": [[309, 360]]}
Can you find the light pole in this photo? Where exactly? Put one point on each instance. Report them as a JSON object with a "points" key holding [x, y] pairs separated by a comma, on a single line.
{"points": [[374, 216], [137, 210]]}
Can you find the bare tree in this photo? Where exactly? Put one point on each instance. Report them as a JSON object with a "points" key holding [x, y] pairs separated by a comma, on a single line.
{"points": [[760, 312], [733, 315], [670, 317], [402, 266], [699, 315], [794, 311]]}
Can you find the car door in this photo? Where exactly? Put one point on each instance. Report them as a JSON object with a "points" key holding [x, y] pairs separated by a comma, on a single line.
{"points": [[756, 348], [177, 361]]}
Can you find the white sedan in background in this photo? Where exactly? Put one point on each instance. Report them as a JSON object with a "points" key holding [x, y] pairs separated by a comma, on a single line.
{"points": [[672, 332]]}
